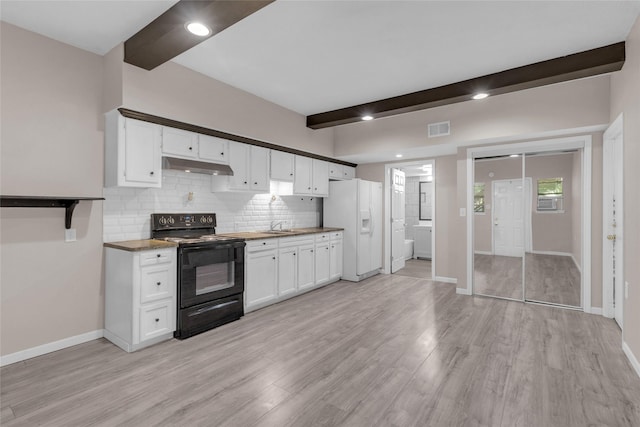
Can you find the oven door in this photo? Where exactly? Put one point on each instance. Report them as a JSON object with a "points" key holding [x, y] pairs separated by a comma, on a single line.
{"points": [[209, 272]]}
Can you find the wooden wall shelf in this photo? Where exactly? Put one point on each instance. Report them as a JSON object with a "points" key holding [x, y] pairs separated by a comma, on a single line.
{"points": [[68, 203]]}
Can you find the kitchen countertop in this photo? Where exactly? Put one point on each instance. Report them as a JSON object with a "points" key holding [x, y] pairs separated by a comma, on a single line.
{"points": [[140, 245], [151, 244], [253, 235]]}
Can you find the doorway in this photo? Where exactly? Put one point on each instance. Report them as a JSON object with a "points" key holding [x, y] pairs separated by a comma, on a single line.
{"points": [[542, 261], [613, 286], [411, 209]]}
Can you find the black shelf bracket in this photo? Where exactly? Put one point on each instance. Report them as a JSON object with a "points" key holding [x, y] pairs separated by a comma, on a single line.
{"points": [[68, 203]]}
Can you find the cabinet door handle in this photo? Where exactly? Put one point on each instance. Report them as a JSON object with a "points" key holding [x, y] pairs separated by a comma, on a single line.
{"points": [[222, 154], [158, 283], [157, 320], [311, 250], [308, 188], [190, 148], [255, 183], [290, 174], [274, 257], [264, 243], [158, 255], [151, 173], [245, 182], [294, 254]]}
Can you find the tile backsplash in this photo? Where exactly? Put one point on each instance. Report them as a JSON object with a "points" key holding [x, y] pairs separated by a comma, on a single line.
{"points": [[127, 211]]}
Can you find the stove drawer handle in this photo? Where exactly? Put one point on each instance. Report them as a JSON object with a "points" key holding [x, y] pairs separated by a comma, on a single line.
{"points": [[215, 307]]}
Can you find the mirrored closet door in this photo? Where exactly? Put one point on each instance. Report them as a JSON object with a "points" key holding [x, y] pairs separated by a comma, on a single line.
{"points": [[552, 264], [498, 227], [526, 227]]}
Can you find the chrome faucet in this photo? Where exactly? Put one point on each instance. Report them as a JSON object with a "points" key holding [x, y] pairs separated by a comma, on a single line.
{"points": [[275, 223]]}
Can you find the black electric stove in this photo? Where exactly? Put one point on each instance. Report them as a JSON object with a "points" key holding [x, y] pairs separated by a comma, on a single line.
{"points": [[210, 271]]}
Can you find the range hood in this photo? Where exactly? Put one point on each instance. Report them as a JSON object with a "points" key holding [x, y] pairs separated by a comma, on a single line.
{"points": [[196, 166]]}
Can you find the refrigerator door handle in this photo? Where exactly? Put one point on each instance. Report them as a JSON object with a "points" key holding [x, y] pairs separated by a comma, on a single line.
{"points": [[372, 223]]}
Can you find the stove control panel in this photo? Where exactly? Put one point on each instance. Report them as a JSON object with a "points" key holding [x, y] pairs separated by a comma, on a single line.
{"points": [[182, 220]]}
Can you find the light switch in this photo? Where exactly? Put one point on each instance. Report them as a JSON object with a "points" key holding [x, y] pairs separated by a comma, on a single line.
{"points": [[626, 289], [463, 211], [70, 235]]}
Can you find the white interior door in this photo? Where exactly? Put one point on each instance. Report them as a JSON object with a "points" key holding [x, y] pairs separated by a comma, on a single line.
{"points": [[397, 220], [508, 218], [613, 277]]}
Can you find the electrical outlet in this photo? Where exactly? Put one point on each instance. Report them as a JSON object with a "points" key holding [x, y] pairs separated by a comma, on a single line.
{"points": [[70, 235], [626, 289]]}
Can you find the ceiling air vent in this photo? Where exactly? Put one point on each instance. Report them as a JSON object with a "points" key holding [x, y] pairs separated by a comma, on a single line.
{"points": [[439, 129]]}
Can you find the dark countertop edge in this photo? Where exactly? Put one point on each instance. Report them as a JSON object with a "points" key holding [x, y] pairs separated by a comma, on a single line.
{"points": [[258, 235], [140, 245]]}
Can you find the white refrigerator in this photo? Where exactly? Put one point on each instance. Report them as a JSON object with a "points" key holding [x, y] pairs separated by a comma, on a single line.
{"points": [[356, 206]]}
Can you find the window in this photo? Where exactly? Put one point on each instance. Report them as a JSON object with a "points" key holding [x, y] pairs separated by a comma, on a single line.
{"points": [[478, 197], [550, 194]]}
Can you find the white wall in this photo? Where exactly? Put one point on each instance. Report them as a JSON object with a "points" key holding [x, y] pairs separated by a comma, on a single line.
{"points": [[51, 134], [625, 99]]}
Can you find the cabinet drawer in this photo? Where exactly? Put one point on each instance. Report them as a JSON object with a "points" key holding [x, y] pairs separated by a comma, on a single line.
{"points": [[156, 282], [262, 245], [155, 257], [287, 242], [336, 235], [322, 237], [156, 319]]}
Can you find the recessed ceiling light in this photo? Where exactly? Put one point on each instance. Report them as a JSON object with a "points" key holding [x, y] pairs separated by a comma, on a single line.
{"points": [[398, 155], [198, 29], [480, 95], [367, 117]]}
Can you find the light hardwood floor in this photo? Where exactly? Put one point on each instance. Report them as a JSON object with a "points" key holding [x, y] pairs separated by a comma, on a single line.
{"points": [[418, 268], [390, 351], [549, 278]]}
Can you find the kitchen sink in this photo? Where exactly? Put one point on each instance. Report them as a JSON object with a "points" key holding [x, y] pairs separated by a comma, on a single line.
{"points": [[276, 232]]}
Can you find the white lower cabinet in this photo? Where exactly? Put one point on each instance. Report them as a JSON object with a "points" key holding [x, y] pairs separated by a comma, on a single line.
{"points": [[261, 263], [322, 262], [306, 267], [335, 255], [281, 268], [140, 297]]}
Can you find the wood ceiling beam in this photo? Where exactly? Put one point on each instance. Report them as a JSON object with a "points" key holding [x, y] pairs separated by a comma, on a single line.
{"points": [[579, 65], [166, 37]]}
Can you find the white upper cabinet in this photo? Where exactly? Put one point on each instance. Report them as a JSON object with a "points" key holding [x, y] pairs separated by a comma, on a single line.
{"points": [[259, 168], [239, 162], [214, 149], [320, 179], [302, 175], [311, 177], [341, 172], [177, 142], [335, 171], [132, 152], [250, 165], [348, 172], [282, 166]]}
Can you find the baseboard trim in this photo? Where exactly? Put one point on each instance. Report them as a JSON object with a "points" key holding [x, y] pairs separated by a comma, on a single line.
{"points": [[596, 310], [29, 353], [551, 253], [632, 358], [483, 252], [463, 291], [575, 262], [445, 279]]}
